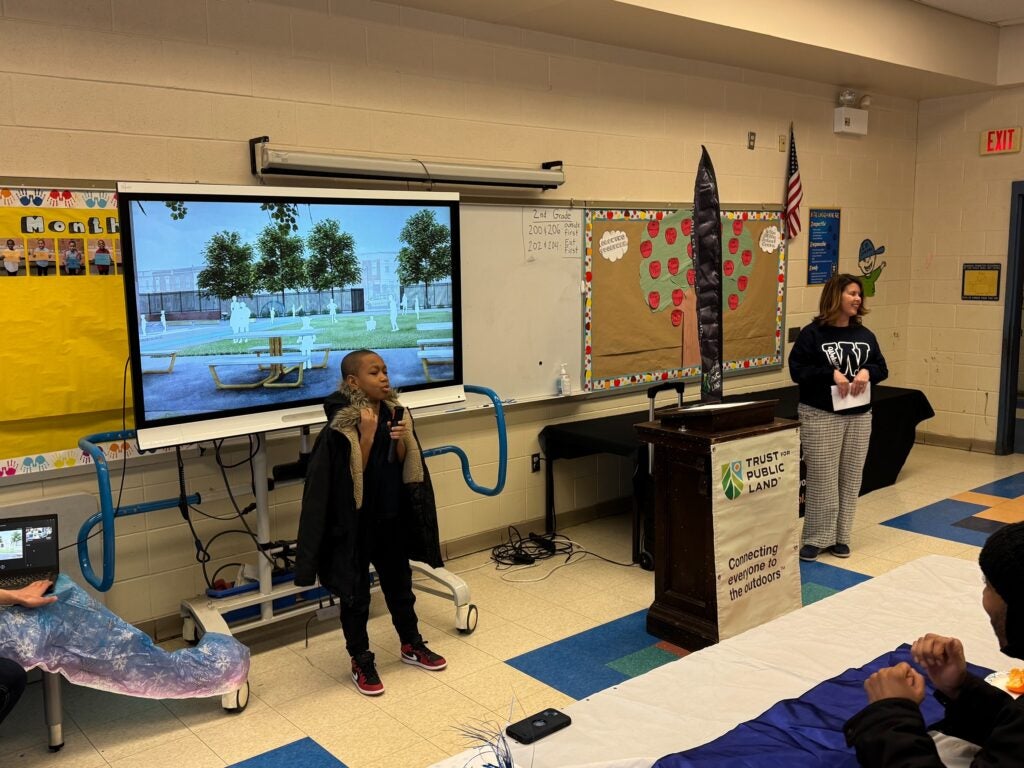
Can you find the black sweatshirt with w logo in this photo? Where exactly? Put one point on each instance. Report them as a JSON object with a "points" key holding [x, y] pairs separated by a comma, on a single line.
{"points": [[821, 349]]}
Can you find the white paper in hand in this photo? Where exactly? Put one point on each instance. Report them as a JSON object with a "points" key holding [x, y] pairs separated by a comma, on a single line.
{"points": [[851, 400]]}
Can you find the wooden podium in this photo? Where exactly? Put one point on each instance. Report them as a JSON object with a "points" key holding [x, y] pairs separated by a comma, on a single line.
{"points": [[726, 490]]}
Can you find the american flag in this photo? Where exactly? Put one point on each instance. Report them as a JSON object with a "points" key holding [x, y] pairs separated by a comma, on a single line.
{"points": [[794, 191]]}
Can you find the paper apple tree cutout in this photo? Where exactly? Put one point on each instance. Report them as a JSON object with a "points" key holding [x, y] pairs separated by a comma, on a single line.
{"points": [[666, 262]]}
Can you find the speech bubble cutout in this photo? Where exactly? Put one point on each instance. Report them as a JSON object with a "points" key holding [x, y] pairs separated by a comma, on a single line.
{"points": [[613, 245], [771, 239]]}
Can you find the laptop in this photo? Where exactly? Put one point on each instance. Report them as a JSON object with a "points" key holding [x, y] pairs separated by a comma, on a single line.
{"points": [[28, 550]]}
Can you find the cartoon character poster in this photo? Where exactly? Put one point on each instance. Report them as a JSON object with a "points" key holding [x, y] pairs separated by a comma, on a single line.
{"points": [[640, 323]]}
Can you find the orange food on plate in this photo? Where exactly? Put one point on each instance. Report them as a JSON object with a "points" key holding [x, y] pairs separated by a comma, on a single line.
{"points": [[1015, 681]]}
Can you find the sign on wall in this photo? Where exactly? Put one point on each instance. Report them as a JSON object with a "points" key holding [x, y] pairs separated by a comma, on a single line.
{"points": [[980, 282], [823, 244]]}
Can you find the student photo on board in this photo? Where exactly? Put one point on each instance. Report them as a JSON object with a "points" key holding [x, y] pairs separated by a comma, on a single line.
{"points": [[12, 255], [101, 258], [72, 258], [42, 257]]}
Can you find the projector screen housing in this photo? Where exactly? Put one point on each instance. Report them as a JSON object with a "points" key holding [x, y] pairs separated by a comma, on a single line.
{"points": [[227, 338]]}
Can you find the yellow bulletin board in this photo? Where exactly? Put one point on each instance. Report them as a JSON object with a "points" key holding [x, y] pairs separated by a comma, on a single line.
{"points": [[980, 282], [65, 341]]}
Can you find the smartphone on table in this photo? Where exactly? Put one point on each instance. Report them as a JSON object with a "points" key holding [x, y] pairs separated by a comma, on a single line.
{"points": [[534, 727]]}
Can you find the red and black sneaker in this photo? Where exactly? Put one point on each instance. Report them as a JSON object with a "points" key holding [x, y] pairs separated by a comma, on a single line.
{"points": [[364, 675], [417, 653]]}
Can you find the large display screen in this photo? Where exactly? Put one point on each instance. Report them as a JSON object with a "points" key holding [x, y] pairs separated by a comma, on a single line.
{"points": [[242, 301]]}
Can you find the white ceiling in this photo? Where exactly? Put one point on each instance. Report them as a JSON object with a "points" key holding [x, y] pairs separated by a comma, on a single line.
{"points": [[624, 22], [1002, 13]]}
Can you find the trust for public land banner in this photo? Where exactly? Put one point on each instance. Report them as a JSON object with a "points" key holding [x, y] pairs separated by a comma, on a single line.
{"points": [[755, 515]]}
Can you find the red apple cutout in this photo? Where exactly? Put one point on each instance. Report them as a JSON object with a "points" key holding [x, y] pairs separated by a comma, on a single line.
{"points": [[741, 283], [670, 235], [654, 299], [677, 296], [747, 257], [673, 266], [652, 228], [737, 227], [677, 317], [645, 248], [728, 268], [655, 269], [691, 276], [734, 301], [734, 245], [687, 227]]}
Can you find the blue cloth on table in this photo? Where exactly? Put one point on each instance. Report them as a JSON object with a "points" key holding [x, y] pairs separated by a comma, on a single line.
{"points": [[86, 643], [806, 731]]}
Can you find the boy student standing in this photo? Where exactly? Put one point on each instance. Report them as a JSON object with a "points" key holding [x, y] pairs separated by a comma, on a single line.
{"points": [[368, 500]]}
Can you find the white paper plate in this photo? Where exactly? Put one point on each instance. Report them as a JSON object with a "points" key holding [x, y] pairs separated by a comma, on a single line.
{"points": [[999, 680]]}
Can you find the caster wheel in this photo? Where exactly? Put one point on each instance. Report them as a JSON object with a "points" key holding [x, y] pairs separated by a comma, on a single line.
{"points": [[646, 561], [236, 701], [472, 615]]}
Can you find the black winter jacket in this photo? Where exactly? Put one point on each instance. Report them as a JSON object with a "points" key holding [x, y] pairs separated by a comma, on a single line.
{"points": [[333, 495], [891, 733]]}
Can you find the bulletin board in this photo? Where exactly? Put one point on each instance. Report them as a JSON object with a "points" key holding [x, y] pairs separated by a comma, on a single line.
{"points": [[65, 345], [640, 313]]}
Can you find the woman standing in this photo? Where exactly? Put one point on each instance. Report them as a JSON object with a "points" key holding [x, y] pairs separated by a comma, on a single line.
{"points": [[835, 350]]}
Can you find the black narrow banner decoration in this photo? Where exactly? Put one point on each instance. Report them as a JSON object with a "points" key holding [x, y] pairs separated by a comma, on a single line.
{"points": [[707, 258]]}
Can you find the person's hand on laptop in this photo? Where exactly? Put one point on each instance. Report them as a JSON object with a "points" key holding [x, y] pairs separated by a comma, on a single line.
{"points": [[31, 596]]}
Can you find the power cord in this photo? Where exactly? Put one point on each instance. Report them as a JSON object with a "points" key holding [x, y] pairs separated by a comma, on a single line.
{"points": [[520, 553]]}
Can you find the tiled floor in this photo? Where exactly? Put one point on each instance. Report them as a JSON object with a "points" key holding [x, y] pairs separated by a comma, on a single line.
{"points": [[304, 710]]}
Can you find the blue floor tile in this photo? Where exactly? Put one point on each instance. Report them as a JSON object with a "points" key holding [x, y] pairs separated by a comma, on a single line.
{"points": [[577, 665], [829, 575], [980, 524], [939, 519], [1009, 487], [305, 752]]}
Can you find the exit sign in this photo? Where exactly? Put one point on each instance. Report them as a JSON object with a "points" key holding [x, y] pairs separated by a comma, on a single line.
{"points": [[999, 141]]}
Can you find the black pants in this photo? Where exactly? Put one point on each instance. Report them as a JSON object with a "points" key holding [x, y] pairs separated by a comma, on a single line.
{"points": [[12, 685], [380, 546]]}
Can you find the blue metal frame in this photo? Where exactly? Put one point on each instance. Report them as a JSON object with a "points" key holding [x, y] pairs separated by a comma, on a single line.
{"points": [[499, 417], [108, 513]]}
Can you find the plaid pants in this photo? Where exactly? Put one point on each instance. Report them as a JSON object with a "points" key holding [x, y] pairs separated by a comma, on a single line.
{"points": [[835, 447]]}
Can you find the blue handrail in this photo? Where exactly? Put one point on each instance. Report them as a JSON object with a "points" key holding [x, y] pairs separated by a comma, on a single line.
{"points": [[499, 417], [108, 512]]}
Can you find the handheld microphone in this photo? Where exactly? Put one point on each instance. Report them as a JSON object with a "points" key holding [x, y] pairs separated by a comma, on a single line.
{"points": [[396, 417]]}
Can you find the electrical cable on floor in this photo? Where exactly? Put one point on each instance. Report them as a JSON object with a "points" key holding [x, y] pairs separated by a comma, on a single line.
{"points": [[520, 554]]}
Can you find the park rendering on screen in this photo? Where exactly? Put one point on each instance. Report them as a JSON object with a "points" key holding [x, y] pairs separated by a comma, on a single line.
{"points": [[242, 301]]}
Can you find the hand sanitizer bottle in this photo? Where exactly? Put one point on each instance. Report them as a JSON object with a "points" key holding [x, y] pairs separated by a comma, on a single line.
{"points": [[564, 382]]}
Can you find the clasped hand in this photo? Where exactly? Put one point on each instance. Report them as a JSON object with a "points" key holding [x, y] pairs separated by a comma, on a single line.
{"points": [[942, 659], [368, 424], [847, 387]]}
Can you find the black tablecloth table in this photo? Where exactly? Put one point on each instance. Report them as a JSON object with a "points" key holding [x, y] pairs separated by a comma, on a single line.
{"points": [[896, 412]]}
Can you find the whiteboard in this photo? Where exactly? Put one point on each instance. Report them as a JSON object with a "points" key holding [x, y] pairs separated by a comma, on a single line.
{"points": [[522, 305]]}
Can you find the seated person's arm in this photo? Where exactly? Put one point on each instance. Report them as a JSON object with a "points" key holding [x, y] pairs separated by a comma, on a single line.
{"points": [[29, 597], [988, 717]]}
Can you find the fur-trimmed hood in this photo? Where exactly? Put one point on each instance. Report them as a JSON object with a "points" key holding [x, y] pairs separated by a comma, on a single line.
{"points": [[343, 410]]}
